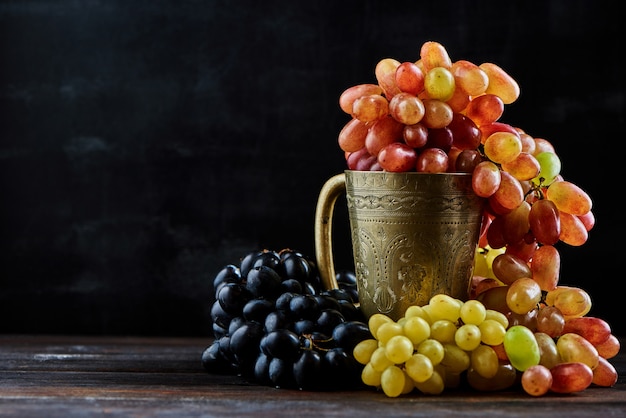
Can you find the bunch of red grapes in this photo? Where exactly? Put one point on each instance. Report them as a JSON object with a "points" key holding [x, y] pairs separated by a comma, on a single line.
{"points": [[436, 115]]}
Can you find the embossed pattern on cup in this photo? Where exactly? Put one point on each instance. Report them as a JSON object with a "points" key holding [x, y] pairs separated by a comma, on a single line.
{"points": [[413, 235]]}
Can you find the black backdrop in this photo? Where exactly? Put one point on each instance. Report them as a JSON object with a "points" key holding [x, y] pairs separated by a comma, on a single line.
{"points": [[146, 144]]}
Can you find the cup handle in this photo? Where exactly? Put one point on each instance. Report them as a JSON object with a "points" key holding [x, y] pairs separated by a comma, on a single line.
{"points": [[331, 190]]}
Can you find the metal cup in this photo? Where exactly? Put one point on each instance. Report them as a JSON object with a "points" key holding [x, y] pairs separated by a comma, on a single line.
{"points": [[414, 235]]}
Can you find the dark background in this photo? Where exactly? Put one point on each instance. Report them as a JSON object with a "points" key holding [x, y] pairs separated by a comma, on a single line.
{"points": [[146, 144]]}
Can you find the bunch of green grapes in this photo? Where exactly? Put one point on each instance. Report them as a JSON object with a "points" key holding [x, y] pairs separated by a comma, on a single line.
{"points": [[448, 342]]}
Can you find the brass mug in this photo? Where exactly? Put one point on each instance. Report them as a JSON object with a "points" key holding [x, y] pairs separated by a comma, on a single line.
{"points": [[414, 235]]}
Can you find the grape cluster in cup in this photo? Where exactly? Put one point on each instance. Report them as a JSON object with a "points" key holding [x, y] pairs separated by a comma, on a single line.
{"points": [[435, 115]]}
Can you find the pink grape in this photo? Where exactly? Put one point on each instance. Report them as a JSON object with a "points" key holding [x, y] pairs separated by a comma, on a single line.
{"points": [[569, 198], [409, 78], [486, 179], [432, 160], [397, 157], [570, 377], [347, 98]]}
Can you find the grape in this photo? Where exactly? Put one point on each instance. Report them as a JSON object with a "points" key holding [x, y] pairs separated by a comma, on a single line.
{"points": [[500, 83], [397, 157], [432, 160], [399, 349], [575, 348], [419, 368], [385, 73], [406, 108], [440, 138], [485, 109], [415, 135], [550, 321], [570, 377], [371, 376], [544, 222], [492, 332], [549, 354], [504, 378], [370, 108], [503, 147], [569, 198], [536, 380], [549, 167], [307, 371], [439, 83], [595, 330], [604, 374], [388, 330], [382, 133], [609, 348], [435, 385], [432, 349], [232, 297], [347, 98], [573, 230], [363, 350], [257, 310], [455, 359], [571, 301], [545, 267], [486, 179], [416, 328], [437, 114], [523, 295], [379, 359], [484, 361], [392, 381], [467, 337], [472, 312], [263, 281], [349, 333], [508, 268], [524, 167], [352, 135], [409, 78], [433, 54], [521, 347], [443, 306], [469, 77]]}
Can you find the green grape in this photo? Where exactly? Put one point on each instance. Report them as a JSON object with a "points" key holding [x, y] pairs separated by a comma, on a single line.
{"points": [[419, 368], [497, 316], [433, 386], [439, 83], [455, 359], [549, 168], [362, 352], [485, 361], [399, 349], [409, 384], [443, 331], [388, 330], [443, 306], [379, 360], [375, 321], [418, 311], [492, 332], [467, 337], [432, 349], [370, 376], [392, 381], [472, 312], [417, 329], [521, 347]]}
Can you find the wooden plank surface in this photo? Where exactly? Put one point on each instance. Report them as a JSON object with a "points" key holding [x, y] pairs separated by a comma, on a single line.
{"points": [[79, 376]]}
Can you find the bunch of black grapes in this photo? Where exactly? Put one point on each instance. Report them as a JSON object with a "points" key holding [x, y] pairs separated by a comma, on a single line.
{"points": [[274, 324]]}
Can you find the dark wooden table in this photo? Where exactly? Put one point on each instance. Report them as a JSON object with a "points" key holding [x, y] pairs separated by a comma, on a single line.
{"points": [[80, 376]]}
